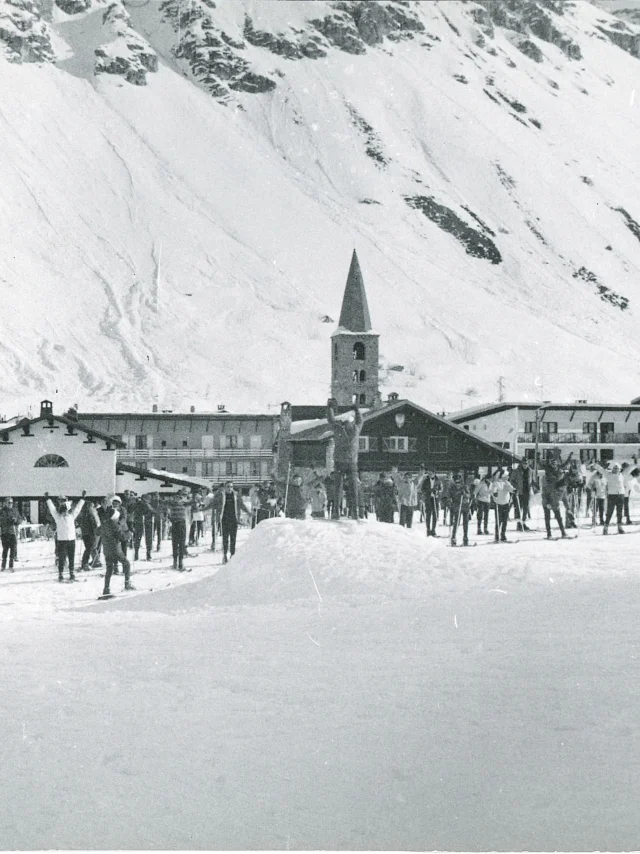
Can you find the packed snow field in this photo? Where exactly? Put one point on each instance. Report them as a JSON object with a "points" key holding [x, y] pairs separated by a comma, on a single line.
{"points": [[345, 685]]}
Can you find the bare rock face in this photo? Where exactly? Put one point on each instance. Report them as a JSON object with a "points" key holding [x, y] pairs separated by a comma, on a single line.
{"points": [[623, 37], [126, 54], [25, 34], [73, 7], [537, 18]]}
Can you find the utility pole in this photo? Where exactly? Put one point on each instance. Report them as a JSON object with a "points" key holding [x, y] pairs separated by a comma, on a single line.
{"points": [[500, 385]]}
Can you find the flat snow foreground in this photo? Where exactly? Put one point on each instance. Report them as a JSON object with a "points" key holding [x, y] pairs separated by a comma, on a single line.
{"points": [[346, 685]]}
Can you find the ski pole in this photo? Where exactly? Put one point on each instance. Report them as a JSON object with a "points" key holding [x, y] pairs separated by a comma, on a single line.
{"points": [[458, 519], [286, 489]]}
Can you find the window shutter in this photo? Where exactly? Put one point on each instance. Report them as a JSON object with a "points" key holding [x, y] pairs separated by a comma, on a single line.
{"points": [[386, 443], [413, 445]]}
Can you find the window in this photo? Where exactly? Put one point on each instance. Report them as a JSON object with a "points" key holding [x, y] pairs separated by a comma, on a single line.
{"points": [[184, 469], [368, 443], [529, 453], [255, 442], [549, 427], [588, 455], [207, 469], [605, 428], [438, 444], [335, 350], [163, 444], [362, 376], [399, 444], [354, 376], [589, 426], [231, 441], [185, 443], [231, 468], [606, 454], [141, 443], [529, 426], [254, 468], [358, 351], [51, 461], [363, 398]]}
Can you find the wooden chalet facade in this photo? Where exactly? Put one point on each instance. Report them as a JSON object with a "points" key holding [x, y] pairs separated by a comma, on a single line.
{"points": [[400, 434]]}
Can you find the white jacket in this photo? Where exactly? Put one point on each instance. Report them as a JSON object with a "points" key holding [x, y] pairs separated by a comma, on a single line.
{"points": [[65, 522], [482, 492], [501, 491], [615, 481]]}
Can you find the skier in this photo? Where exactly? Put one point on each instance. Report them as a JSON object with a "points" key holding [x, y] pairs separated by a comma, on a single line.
{"points": [[296, 502], [178, 518], [521, 479], [615, 495], [482, 495], [597, 487], [429, 494], [89, 522], [115, 534], [142, 513], [318, 500], [407, 498], [552, 490], [572, 487], [501, 492], [65, 518], [386, 499], [460, 501], [346, 437], [444, 498], [232, 506], [629, 483], [9, 521]]}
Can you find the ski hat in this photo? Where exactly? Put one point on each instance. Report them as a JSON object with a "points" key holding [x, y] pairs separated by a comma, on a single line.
{"points": [[112, 498]]}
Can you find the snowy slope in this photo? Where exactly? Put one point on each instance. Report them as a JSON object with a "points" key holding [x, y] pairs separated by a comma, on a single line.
{"points": [[181, 241], [407, 697]]}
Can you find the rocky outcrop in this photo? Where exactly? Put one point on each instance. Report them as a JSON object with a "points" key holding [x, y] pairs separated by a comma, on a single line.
{"points": [[623, 37], [529, 18], [25, 34], [73, 7], [126, 54]]}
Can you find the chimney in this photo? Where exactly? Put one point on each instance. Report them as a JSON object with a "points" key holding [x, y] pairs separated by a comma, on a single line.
{"points": [[192, 409], [393, 397], [221, 407], [46, 408], [154, 408]]}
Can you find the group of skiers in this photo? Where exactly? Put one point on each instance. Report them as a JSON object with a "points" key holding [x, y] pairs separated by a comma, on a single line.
{"points": [[458, 496], [111, 526]]}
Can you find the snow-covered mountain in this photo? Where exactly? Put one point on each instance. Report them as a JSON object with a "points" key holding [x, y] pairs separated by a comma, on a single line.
{"points": [[183, 183]]}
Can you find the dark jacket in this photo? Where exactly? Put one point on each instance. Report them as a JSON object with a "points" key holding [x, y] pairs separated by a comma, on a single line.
{"points": [[89, 520], [113, 531], [296, 503], [521, 478], [9, 520], [346, 436], [224, 502], [142, 510], [430, 488], [459, 496]]}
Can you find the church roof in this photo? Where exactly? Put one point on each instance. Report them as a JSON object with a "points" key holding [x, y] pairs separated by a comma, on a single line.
{"points": [[354, 315]]}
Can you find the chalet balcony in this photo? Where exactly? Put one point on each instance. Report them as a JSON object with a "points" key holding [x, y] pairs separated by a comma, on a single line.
{"points": [[580, 439], [195, 453]]}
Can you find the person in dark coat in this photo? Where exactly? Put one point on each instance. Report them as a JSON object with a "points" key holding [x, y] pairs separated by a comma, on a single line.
{"points": [[346, 437], [115, 534], [386, 496], [232, 506], [521, 478], [9, 521], [460, 494], [178, 518], [142, 513], [89, 522], [552, 493], [429, 490], [296, 502]]}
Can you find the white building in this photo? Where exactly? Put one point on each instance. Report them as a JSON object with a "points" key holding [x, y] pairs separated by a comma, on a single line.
{"points": [[593, 431], [57, 455]]}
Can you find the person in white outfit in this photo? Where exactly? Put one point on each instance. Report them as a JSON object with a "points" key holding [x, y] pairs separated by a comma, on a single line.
{"points": [[615, 495], [65, 518], [501, 492]]}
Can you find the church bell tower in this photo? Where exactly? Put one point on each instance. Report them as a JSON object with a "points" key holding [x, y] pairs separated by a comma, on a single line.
{"points": [[354, 347]]}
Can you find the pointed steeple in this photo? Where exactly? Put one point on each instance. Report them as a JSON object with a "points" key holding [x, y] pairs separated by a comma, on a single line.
{"points": [[355, 311]]}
